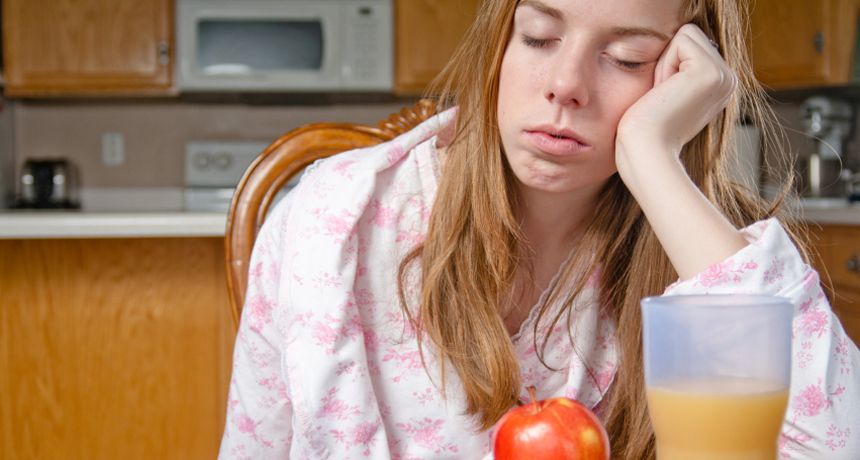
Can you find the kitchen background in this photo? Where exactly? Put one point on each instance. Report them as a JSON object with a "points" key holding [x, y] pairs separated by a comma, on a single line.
{"points": [[115, 326], [154, 137], [155, 134], [62, 105]]}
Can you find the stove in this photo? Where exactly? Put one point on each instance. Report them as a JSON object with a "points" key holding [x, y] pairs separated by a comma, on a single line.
{"points": [[213, 169]]}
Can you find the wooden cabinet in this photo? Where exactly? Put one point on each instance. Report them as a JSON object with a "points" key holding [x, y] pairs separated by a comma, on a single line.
{"points": [[87, 47], [839, 263], [113, 348], [799, 43], [426, 34]]}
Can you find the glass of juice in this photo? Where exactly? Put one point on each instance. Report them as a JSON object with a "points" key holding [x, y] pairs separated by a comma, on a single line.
{"points": [[717, 373]]}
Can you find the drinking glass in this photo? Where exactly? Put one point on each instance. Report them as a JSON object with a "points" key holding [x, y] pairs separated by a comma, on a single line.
{"points": [[717, 373]]}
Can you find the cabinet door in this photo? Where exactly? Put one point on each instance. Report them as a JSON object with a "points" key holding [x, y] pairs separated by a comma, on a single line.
{"points": [[803, 42], [113, 348], [847, 308], [427, 33], [844, 255], [80, 47], [838, 248]]}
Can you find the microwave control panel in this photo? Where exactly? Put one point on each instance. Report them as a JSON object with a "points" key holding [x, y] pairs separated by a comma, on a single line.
{"points": [[368, 45]]}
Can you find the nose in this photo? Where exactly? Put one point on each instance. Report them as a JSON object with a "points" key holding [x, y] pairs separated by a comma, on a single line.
{"points": [[568, 77]]}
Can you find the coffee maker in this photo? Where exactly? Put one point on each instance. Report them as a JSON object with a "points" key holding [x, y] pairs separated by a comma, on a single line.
{"points": [[827, 124], [48, 183]]}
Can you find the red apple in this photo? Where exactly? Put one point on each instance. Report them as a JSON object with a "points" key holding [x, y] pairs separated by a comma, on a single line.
{"points": [[557, 428]]}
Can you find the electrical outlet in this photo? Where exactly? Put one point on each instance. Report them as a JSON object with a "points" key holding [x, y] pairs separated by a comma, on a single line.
{"points": [[113, 149]]}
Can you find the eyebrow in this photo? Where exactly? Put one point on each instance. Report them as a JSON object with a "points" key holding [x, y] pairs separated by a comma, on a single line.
{"points": [[640, 30], [622, 31], [543, 8]]}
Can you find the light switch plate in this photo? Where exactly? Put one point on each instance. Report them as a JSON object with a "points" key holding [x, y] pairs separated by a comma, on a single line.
{"points": [[113, 149]]}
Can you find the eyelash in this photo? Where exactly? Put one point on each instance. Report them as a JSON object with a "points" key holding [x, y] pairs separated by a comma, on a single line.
{"points": [[543, 43], [626, 64], [535, 42]]}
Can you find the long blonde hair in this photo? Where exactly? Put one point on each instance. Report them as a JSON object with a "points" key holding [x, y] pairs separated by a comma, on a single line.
{"points": [[472, 250]]}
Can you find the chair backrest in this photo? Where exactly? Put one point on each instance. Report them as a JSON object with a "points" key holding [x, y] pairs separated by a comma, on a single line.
{"points": [[282, 160]]}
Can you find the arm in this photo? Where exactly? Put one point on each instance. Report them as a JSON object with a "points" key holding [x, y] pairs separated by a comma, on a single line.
{"points": [[692, 85], [259, 410]]}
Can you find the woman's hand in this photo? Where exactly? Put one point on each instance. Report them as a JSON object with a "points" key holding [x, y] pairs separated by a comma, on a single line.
{"points": [[692, 84]]}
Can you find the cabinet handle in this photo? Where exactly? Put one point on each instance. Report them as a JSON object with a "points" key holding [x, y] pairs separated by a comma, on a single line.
{"points": [[163, 53], [853, 263], [818, 41]]}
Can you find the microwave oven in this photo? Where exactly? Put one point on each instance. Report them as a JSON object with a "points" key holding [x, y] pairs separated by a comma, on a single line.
{"points": [[284, 45]]}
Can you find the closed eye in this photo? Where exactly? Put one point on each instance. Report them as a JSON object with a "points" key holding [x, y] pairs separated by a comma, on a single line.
{"points": [[626, 64], [535, 42]]}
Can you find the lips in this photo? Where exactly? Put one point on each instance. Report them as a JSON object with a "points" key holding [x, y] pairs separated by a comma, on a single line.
{"points": [[556, 141]]}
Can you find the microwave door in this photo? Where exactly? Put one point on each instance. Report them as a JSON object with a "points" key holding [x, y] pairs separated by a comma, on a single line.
{"points": [[261, 47]]}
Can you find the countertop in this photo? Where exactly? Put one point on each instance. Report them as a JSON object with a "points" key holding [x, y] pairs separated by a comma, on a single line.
{"points": [[88, 224], [830, 211], [116, 212], [81, 224]]}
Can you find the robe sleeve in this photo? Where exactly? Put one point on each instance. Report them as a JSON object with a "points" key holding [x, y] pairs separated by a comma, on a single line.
{"points": [[259, 410], [821, 420]]}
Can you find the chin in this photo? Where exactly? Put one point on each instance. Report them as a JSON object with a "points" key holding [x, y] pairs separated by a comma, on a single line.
{"points": [[549, 185], [564, 184]]}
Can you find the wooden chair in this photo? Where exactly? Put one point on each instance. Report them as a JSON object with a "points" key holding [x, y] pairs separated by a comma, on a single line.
{"points": [[282, 160]]}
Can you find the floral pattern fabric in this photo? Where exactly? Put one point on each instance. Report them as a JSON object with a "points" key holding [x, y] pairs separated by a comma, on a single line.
{"points": [[327, 367]]}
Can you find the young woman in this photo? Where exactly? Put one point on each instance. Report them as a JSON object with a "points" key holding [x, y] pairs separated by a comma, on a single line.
{"points": [[402, 297]]}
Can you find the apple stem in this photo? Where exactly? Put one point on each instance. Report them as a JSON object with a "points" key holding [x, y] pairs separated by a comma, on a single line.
{"points": [[531, 389]]}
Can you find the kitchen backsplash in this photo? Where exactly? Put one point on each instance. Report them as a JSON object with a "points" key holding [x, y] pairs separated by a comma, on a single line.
{"points": [[155, 132]]}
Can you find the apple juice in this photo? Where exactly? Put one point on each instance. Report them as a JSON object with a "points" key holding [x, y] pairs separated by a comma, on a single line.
{"points": [[717, 418]]}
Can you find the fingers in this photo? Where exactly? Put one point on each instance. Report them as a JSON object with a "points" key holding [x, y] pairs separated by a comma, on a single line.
{"points": [[692, 85], [688, 44], [727, 80], [691, 51], [694, 32]]}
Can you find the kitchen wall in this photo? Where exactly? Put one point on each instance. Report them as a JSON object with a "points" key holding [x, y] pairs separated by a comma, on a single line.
{"points": [[156, 131]]}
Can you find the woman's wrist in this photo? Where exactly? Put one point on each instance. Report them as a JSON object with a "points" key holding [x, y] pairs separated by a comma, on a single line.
{"points": [[646, 162], [692, 231]]}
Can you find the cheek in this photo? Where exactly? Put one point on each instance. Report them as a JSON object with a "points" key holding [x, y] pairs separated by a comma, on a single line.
{"points": [[622, 94], [519, 79], [511, 95], [505, 81]]}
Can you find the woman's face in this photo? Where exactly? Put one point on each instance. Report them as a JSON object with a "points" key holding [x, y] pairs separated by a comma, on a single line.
{"points": [[570, 71]]}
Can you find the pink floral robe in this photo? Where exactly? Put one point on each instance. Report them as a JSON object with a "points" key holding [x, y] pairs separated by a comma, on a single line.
{"points": [[326, 368]]}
